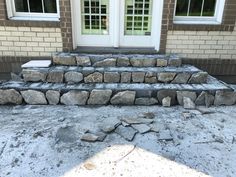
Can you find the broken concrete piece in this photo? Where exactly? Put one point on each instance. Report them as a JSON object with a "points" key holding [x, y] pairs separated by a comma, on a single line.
{"points": [[141, 128], [188, 103], [166, 102], [89, 137], [137, 120], [165, 135], [126, 132]]}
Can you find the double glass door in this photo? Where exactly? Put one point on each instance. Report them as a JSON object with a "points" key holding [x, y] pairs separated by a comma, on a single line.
{"points": [[116, 23]]}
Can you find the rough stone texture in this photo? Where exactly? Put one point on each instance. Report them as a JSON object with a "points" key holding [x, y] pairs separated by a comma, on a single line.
{"points": [[165, 135], [110, 124], [53, 97], [123, 98], [161, 62], [149, 62], [175, 62], [64, 60], [55, 76], [16, 77], [34, 75], [225, 98], [209, 99], [127, 133], [99, 97], [188, 94], [167, 93], [146, 101], [83, 61], [73, 77], [34, 97], [111, 77], [150, 77], [198, 78], [10, 96], [75, 98], [166, 102], [109, 62], [138, 77], [141, 128], [89, 137], [123, 61], [137, 120], [125, 77], [188, 103], [181, 78], [166, 77], [200, 99], [136, 62], [95, 77]]}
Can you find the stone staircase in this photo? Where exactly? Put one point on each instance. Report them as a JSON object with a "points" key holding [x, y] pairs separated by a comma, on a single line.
{"points": [[89, 79]]}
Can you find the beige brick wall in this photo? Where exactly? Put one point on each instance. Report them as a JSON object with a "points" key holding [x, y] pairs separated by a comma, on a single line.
{"points": [[202, 44], [29, 41]]}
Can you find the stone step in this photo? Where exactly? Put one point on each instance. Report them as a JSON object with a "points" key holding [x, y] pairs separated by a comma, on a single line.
{"points": [[214, 92], [119, 60], [68, 74]]}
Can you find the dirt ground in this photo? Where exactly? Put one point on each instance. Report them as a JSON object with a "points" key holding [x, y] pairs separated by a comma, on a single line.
{"points": [[38, 141]]}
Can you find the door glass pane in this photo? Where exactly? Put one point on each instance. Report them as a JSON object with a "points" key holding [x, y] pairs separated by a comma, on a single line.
{"points": [[21, 6], [138, 17], [182, 8], [95, 15], [36, 6], [209, 8], [50, 6], [195, 8]]}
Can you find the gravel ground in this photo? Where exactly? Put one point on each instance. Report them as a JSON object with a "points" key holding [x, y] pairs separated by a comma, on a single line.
{"points": [[38, 141]]}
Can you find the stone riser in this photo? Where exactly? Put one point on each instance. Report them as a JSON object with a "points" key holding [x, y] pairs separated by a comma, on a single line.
{"points": [[176, 75], [71, 59], [117, 94]]}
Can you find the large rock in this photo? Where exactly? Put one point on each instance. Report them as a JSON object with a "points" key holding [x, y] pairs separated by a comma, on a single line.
{"points": [[181, 78], [111, 77], [175, 61], [150, 77], [146, 101], [125, 77], [32, 75], [138, 77], [188, 94], [198, 78], [95, 77], [166, 77], [55, 76], [10, 96], [75, 98], [123, 98], [188, 103], [73, 77], [167, 93], [83, 61], [136, 61], [209, 99], [34, 97], [225, 98], [53, 97], [149, 62], [161, 62], [201, 99], [64, 59], [109, 62], [99, 97], [123, 61]]}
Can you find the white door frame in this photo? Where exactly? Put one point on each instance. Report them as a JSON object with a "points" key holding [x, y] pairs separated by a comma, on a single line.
{"points": [[114, 23]]}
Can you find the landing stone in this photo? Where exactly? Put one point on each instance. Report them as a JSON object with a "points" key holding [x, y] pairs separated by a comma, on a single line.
{"points": [[75, 98], [53, 97], [109, 62], [10, 96], [126, 132], [37, 64], [165, 135], [166, 102], [225, 98], [73, 77], [188, 94], [83, 61], [123, 98], [99, 97], [146, 101], [95, 77], [34, 97], [166, 77]]}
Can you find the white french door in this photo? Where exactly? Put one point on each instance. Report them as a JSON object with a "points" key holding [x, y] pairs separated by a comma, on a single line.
{"points": [[117, 23]]}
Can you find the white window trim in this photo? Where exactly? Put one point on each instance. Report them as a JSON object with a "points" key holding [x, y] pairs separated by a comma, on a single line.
{"points": [[13, 15], [216, 20]]}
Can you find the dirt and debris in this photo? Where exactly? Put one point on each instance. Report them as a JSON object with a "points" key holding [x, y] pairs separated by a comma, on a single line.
{"points": [[107, 141]]}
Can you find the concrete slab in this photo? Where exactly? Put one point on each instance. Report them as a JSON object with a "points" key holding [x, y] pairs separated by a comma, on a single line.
{"points": [[37, 64]]}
